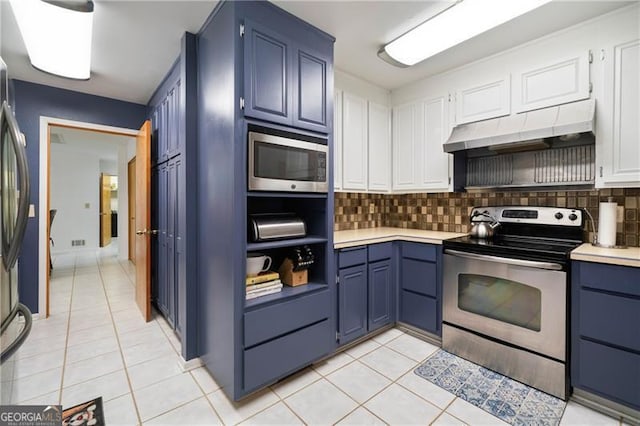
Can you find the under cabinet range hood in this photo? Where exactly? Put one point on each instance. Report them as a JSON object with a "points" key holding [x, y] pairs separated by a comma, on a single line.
{"points": [[526, 131]]}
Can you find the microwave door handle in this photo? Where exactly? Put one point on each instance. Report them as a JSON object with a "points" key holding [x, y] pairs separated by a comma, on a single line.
{"points": [[15, 345], [23, 177], [509, 261]]}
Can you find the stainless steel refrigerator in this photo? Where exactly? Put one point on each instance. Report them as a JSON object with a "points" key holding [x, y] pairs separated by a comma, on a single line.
{"points": [[14, 205]]}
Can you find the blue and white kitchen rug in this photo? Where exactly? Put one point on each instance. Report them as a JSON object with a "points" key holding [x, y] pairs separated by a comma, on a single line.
{"points": [[505, 398]]}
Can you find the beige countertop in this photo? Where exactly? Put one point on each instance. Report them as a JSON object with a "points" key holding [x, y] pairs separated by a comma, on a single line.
{"points": [[629, 256], [342, 239]]}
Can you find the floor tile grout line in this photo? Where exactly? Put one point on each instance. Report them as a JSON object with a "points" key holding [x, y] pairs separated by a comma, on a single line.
{"points": [[444, 411], [206, 395], [126, 371], [66, 344]]}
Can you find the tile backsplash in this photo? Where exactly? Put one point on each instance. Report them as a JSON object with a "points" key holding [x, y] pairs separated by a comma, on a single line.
{"points": [[450, 211]]}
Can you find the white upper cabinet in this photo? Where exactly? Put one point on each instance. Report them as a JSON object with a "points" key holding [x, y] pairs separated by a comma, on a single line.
{"points": [[337, 140], [354, 142], [549, 84], [436, 164], [379, 148], [618, 117], [489, 99], [407, 150]]}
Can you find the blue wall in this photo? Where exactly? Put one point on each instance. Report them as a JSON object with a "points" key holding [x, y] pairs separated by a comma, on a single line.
{"points": [[35, 100]]}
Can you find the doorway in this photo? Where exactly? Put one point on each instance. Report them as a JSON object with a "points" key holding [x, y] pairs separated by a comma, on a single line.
{"points": [[131, 193], [65, 236]]}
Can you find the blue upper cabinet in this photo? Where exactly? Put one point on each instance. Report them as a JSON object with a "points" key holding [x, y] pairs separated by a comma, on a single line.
{"points": [[167, 118], [267, 58], [285, 82], [310, 93]]}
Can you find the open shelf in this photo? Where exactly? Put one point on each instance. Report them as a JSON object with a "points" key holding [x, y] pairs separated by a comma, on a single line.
{"points": [[286, 293], [287, 194], [285, 243]]}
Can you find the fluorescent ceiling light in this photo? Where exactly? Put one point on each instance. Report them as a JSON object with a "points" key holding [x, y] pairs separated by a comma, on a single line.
{"points": [[464, 20], [57, 38]]}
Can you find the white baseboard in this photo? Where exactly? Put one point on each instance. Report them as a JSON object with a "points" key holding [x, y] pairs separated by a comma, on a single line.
{"points": [[192, 364]]}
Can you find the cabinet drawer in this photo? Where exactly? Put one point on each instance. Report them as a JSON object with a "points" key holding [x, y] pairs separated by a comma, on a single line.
{"points": [[268, 362], [419, 251], [276, 320], [611, 319], [419, 276], [380, 251], [621, 279], [352, 256], [610, 372], [419, 311]]}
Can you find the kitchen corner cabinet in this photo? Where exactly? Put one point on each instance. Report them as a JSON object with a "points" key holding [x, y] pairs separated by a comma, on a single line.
{"points": [[284, 81], [419, 130], [605, 337], [421, 286], [407, 147], [618, 109], [366, 290]]}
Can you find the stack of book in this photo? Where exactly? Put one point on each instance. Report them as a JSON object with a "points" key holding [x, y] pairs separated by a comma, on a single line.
{"points": [[263, 284]]}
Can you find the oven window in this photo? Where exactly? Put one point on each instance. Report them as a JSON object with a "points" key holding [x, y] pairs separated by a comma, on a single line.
{"points": [[500, 299], [284, 162]]}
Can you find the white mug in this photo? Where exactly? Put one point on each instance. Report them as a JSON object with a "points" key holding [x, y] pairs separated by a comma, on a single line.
{"points": [[256, 263]]}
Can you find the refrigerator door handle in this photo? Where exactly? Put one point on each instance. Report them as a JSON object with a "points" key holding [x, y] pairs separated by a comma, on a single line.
{"points": [[13, 250], [15, 345]]}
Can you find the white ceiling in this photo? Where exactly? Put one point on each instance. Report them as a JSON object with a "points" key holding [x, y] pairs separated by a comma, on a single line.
{"points": [[103, 145], [135, 42]]}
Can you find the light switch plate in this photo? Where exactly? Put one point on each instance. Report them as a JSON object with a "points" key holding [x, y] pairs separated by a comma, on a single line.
{"points": [[32, 210]]}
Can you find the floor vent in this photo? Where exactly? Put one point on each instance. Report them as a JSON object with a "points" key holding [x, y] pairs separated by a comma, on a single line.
{"points": [[75, 243]]}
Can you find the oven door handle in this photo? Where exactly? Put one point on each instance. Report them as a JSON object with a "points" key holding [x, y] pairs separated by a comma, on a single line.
{"points": [[509, 261]]}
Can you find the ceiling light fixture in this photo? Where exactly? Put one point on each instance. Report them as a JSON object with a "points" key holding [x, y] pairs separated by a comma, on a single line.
{"points": [[57, 35], [465, 19]]}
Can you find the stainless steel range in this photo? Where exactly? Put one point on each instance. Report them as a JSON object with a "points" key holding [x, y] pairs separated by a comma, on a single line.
{"points": [[505, 298]]}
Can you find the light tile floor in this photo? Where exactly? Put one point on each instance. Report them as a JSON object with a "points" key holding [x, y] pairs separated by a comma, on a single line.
{"points": [[96, 344]]}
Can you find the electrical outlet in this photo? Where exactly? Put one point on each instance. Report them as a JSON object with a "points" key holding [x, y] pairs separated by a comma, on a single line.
{"points": [[620, 214]]}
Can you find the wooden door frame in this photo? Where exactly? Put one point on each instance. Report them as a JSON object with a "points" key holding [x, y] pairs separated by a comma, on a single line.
{"points": [[130, 207], [44, 196], [101, 208]]}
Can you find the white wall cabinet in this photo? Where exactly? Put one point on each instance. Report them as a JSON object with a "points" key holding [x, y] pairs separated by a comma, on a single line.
{"points": [[550, 84], [436, 164], [337, 140], [379, 148], [489, 99], [407, 149], [354, 143], [618, 117]]}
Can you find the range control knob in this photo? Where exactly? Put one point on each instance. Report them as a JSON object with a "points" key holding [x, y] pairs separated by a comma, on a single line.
{"points": [[573, 216], [559, 215]]}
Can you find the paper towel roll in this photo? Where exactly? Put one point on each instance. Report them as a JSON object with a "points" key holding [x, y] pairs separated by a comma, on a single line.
{"points": [[607, 223]]}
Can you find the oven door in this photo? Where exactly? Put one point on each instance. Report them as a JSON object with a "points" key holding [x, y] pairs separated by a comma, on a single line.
{"points": [[518, 302], [283, 164]]}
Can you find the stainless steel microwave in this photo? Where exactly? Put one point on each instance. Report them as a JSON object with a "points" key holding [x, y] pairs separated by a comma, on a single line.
{"points": [[278, 163]]}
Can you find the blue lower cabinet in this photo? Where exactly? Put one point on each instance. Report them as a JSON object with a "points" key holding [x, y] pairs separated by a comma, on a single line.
{"points": [[381, 290], [605, 336], [366, 290], [421, 286], [266, 363], [352, 303], [419, 311]]}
